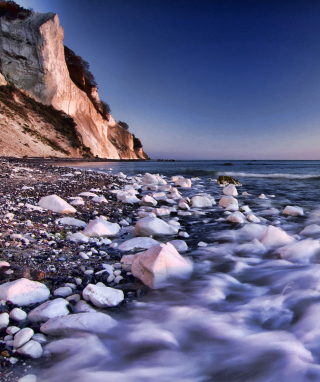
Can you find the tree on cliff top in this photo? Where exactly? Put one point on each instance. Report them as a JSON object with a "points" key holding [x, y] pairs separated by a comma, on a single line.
{"points": [[12, 10], [123, 124]]}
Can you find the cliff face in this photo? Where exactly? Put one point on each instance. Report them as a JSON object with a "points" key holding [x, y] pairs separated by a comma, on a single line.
{"points": [[32, 58]]}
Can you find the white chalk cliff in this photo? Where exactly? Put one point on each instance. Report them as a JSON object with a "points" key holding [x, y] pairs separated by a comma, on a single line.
{"points": [[32, 59]]}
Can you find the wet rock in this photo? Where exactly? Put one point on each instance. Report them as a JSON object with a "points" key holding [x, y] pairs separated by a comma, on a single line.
{"points": [[102, 296], [201, 201], [18, 314], [225, 180], [137, 243], [150, 226], [31, 349], [183, 183], [50, 309], [230, 190], [100, 227], [229, 202], [56, 204], [22, 337], [276, 237], [293, 211]]}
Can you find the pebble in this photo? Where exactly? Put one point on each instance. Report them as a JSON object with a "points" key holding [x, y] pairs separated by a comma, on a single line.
{"points": [[31, 349], [18, 314], [4, 320], [62, 292], [12, 330], [22, 337]]}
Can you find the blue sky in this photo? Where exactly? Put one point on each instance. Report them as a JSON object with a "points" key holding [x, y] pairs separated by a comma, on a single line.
{"points": [[204, 79]]}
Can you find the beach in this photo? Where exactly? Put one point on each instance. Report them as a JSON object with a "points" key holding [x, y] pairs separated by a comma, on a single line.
{"points": [[239, 298]]}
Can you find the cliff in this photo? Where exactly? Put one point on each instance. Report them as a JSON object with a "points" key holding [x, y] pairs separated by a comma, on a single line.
{"points": [[32, 58]]}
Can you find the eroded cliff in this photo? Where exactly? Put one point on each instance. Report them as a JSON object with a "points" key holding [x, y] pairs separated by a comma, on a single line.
{"points": [[32, 58]]}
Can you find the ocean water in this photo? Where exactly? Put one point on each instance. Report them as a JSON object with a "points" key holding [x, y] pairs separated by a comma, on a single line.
{"points": [[249, 313]]}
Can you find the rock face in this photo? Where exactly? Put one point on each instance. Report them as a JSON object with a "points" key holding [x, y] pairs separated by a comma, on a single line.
{"points": [[33, 59]]}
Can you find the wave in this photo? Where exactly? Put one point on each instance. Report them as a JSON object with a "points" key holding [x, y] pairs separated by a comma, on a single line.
{"points": [[198, 172]]}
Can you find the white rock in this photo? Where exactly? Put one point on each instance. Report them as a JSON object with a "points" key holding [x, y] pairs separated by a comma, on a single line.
{"points": [[174, 193], [144, 214], [245, 193], [245, 209], [201, 201], [99, 199], [150, 226], [160, 263], [4, 320], [183, 206], [262, 196], [302, 252], [180, 245], [184, 234], [202, 244], [127, 198], [87, 193], [161, 211], [4, 264], [152, 179], [24, 292], [83, 307], [159, 195], [293, 211], [147, 200], [31, 349], [126, 262], [229, 202], [77, 202], [252, 218], [100, 227], [175, 178], [41, 338], [184, 183], [137, 243], [63, 292], [89, 322], [312, 229], [50, 309], [18, 314], [78, 236], [230, 190], [236, 217], [71, 221], [102, 296], [12, 330], [22, 337], [56, 204], [28, 378], [276, 237]]}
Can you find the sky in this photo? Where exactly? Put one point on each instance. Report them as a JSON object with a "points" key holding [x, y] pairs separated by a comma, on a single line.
{"points": [[203, 79]]}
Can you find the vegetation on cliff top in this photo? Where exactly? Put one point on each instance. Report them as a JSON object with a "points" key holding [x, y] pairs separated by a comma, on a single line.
{"points": [[12, 10]]}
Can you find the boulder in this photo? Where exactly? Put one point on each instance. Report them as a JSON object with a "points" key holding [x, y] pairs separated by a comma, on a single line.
{"points": [[236, 217], [56, 204], [201, 201], [86, 322], [147, 200], [230, 190], [252, 218], [229, 202], [50, 309], [302, 252], [137, 243], [102, 296], [152, 179], [293, 211], [160, 263], [174, 193], [312, 229], [180, 245], [24, 292], [163, 211], [276, 237], [184, 183], [151, 226], [101, 227]]}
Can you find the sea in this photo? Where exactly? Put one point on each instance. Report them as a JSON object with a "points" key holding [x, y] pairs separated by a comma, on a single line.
{"points": [[249, 313]]}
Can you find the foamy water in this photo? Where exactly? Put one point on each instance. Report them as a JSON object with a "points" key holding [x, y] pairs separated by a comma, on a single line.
{"points": [[245, 315]]}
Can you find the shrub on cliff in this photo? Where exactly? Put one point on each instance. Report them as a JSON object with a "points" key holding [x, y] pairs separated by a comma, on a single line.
{"points": [[123, 124], [12, 10]]}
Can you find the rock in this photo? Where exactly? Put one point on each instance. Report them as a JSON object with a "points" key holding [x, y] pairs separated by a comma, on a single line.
{"points": [[100, 227], [230, 190], [18, 314], [96, 322], [174, 194], [183, 205], [163, 211], [229, 202], [56, 204], [41, 338], [28, 378], [152, 179], [183, 183], [312, 229], [201, 201], [126, 262], [63, 292], [245, 209], [180, 245], [31, 349], [293, 211], [71, 221], [102, 296], [225, 180], [78, 236], [262, 196], [252, 218], [88, 193], [99, 199], [150, 226], [236, 217], [148, 201], [302, 252], [276, 237], [127, 198], [137, 243], [24, 292], [158, 264], [4, 320], [83, 307], [12, 330], [22, 337]]}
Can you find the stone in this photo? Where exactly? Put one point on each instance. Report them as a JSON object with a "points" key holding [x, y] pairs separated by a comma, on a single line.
{"points": [[229, 202], [152, 179], [31, 349], [18, 314], [262, 196], [4, 320], [230, 190], [137, 243], [24, 292], [99, 199], [28, 378], [160, 263], [302, 252], [199, 201], [41, 338], [12, 330], [276, 237], [236, 217], [78, 236], [102, 296], [96, 322], [147, 200], [71, 221], [101, 227], [151, 226], [22, 337], [226, 179], [56, 204], [183, 205], [312, 229], [163, 211], [293, 211], [83, 307], [180, 245], [245, 209], [183, 183], [50, 309], [63, 292], [126, 261], [252, 218], [174, 194]]}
